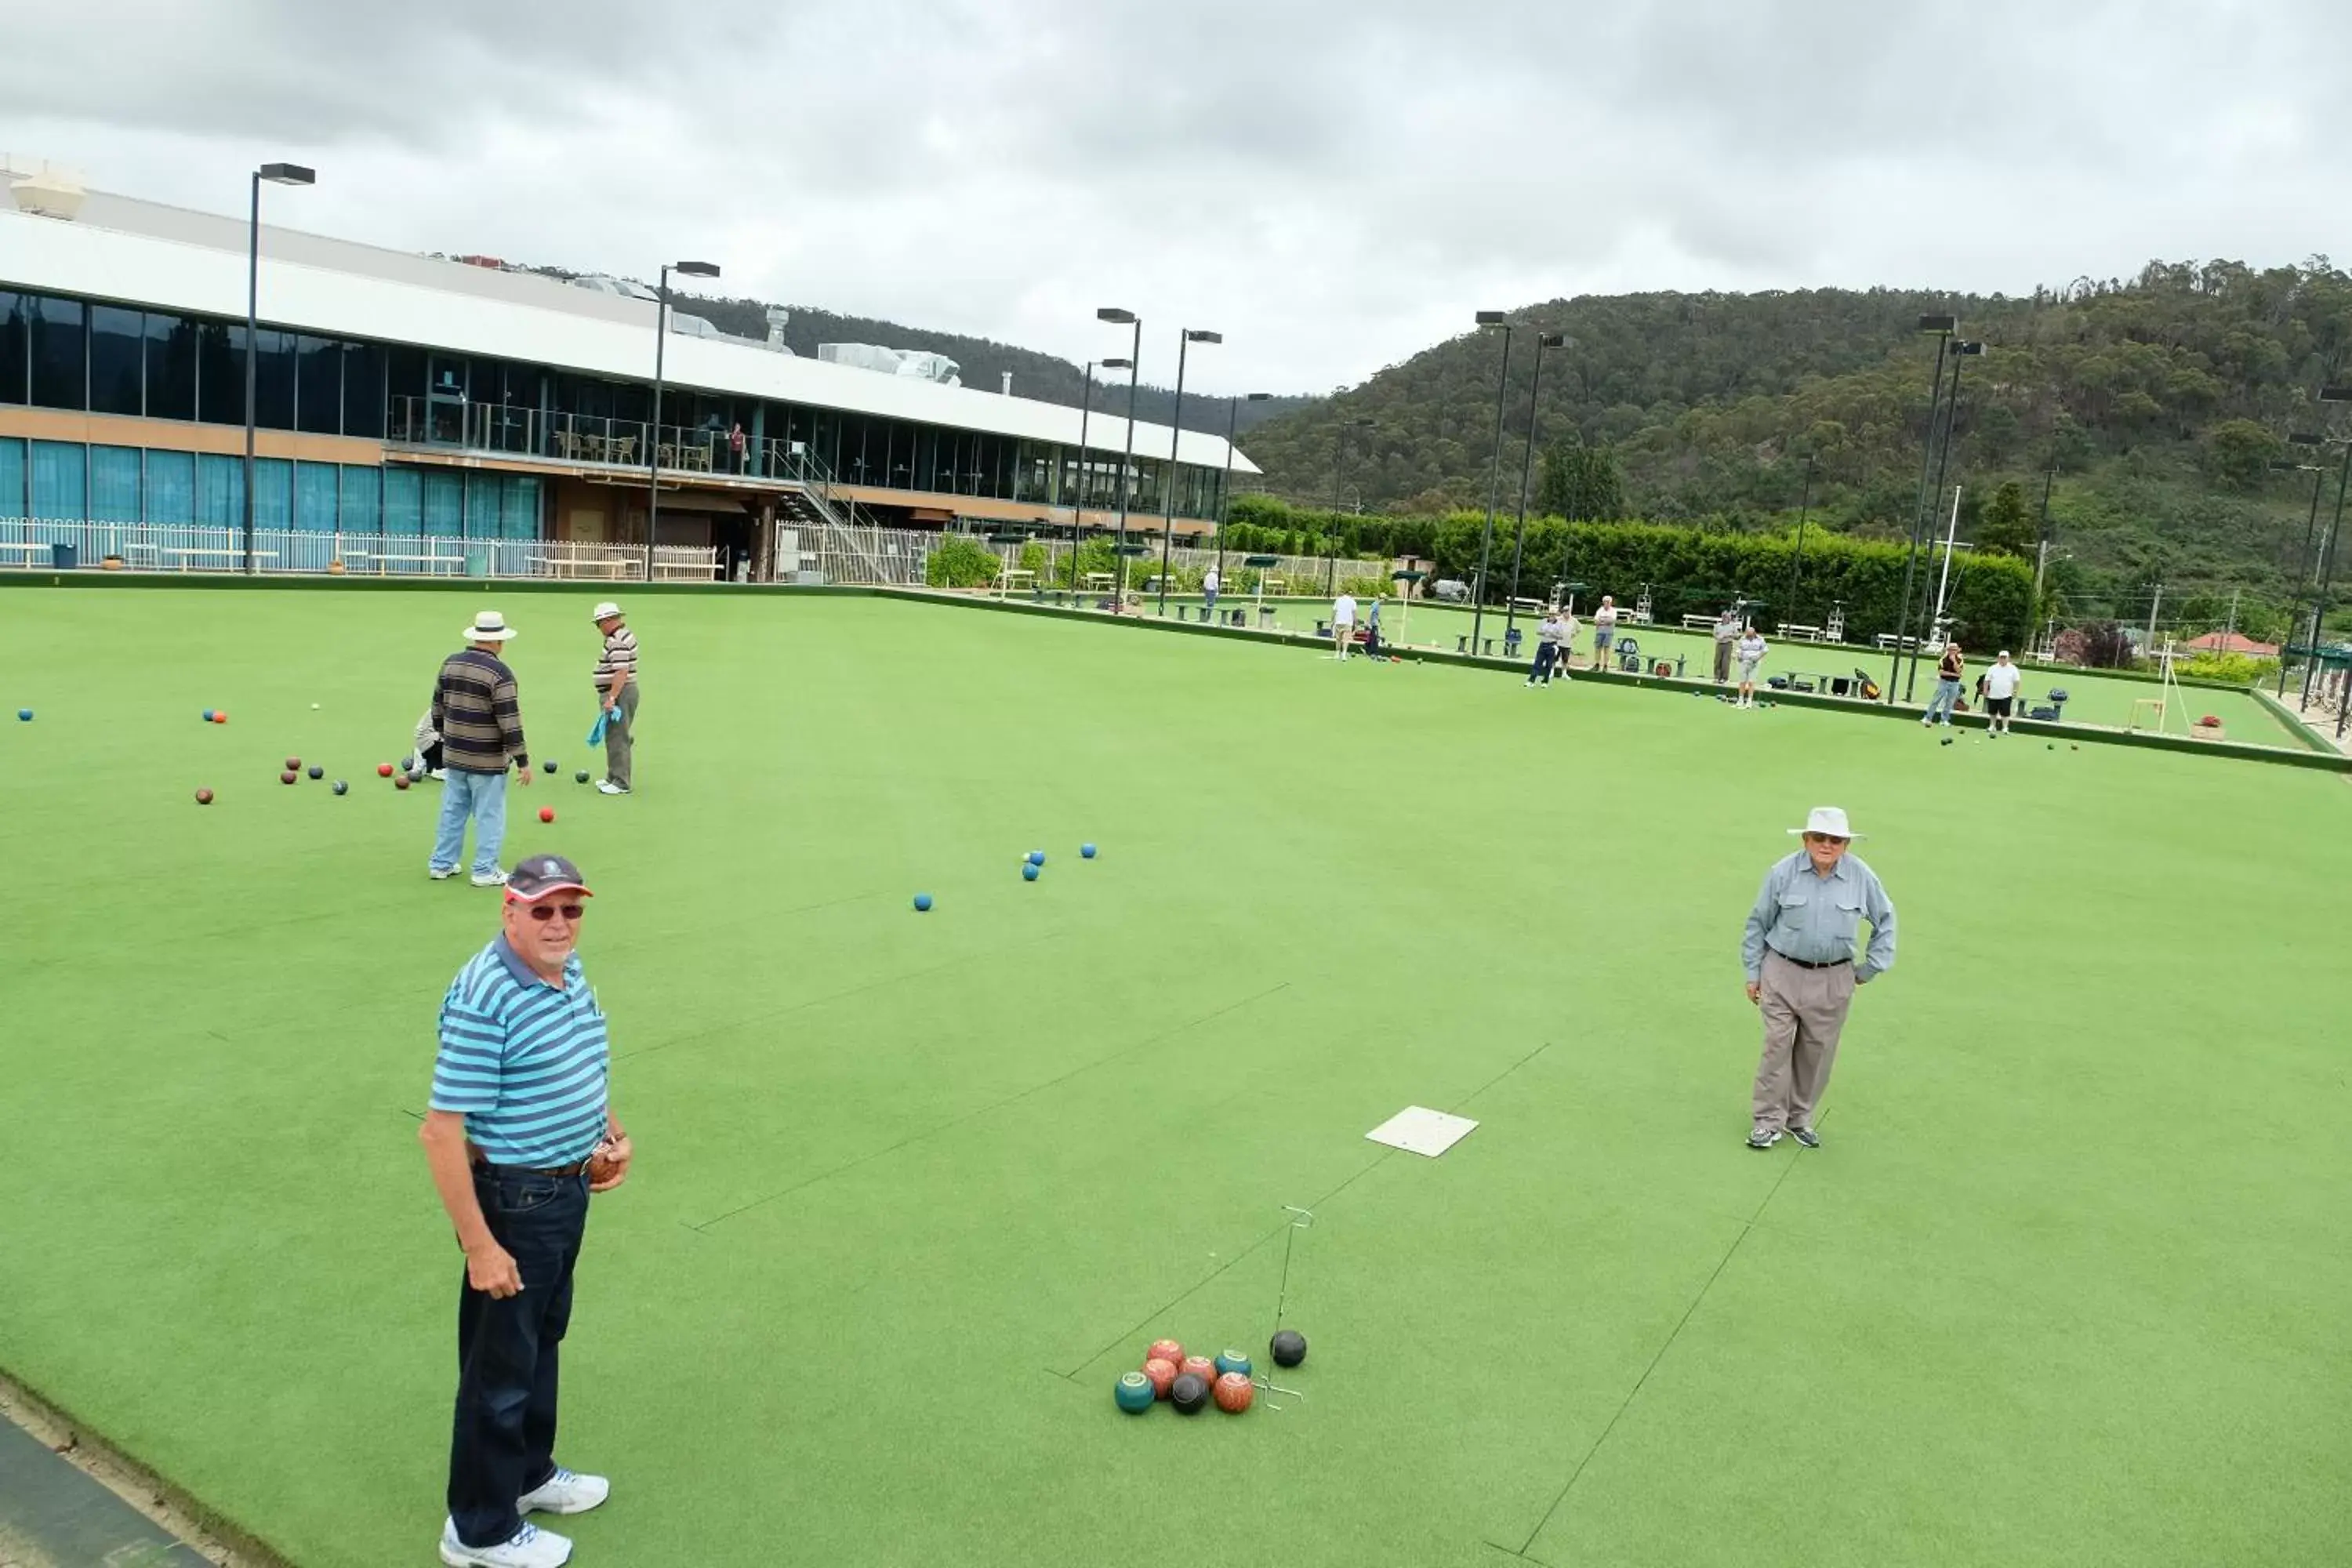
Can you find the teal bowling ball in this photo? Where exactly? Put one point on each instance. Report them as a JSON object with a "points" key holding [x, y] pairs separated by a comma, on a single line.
{"points": [[1088, 851], [1134, 1393], [922, 903], [1028, 870], [1233, 1361]]}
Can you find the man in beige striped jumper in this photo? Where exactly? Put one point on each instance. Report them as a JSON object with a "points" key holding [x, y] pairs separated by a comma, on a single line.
{"points": [[617, 688], [479, 715]]}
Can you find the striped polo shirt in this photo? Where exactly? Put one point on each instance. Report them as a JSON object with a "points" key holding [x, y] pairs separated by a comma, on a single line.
{"points": [[479, 713], [527, 1063], [620, 654]]}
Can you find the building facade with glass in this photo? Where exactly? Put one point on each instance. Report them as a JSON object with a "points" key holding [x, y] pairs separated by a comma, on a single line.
{"points": [[408, 395]]}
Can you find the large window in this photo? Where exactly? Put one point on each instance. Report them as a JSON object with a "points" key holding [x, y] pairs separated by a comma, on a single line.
{"points": [[171, 345], [60, 353], [220, 373], [116, 357], [273, 392], [13, 333], [362, 390], [318, 385]]}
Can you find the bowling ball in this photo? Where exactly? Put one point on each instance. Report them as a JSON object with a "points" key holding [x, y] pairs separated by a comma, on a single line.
{"points": [[1233, 1361], [289, 776], [1234, 1393], [547, 814], [1168, 1351], [1161, 1373], [579, 778], [204, 797], [548, 766], [316, 772], [293, 764], [400, 782], [1199, 1366], [1288, 1347], [1134, 1393], [341, 788], [383, 770], [1188, 1393]]}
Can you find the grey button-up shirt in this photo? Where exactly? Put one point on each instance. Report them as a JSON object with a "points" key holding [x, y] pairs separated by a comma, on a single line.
{"points": [[1803, 915]]}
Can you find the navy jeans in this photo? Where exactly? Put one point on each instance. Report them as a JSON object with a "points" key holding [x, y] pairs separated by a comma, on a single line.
{"points": [[503, 1444]]}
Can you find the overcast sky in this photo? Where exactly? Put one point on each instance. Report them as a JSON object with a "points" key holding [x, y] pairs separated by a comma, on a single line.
{"points": [[1333, 183]]}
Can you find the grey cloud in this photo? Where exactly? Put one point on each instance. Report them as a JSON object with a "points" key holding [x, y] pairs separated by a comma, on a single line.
{"points": [[1333, 185]]}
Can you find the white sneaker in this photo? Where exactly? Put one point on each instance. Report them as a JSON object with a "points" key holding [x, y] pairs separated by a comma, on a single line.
{"points": [[489, 879], [530, 1547], [565, 1493], [438, 774], [608, 787], [438, 874]]}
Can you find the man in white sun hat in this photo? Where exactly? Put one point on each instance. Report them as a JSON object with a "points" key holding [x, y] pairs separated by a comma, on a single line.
{"points": [[478, 713], [1799, 954], [616, 689]]}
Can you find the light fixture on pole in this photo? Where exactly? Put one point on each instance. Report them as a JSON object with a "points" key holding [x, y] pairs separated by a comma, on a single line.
{"points": [[1190, 336], [1526, 472], [276, 174], [653, 431], [1119, 318], [1495, 480], [1225, 485], [1943, 327]]}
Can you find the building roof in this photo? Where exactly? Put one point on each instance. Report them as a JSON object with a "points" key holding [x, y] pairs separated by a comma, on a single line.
{"points": [[2231, 642], [147, 254]]}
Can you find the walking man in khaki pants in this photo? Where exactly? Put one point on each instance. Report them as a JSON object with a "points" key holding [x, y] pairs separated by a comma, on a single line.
{"points": [[1799, 954]]}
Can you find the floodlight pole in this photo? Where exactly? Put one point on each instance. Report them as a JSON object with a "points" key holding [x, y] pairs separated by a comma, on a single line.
{"points": [[653, 430], [1078, 511], [277, 175], [1960, 353], [1494, 483], [2327, 576], [1184, 341], [2302, 564], [1124, 317], [1804, 509], [1943, 327], [1526, 472]]}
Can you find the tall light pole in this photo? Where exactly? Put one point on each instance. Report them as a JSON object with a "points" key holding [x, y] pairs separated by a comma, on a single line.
{"points": [[1119, 318], [1225, 485], [2319, 472], [1804, 511], [1961, 354], [653, 431], [1190, 336], [2327, 565], [1495, 480], [277, 175], [1078, 501], [1526, 472], [1943, 327]]}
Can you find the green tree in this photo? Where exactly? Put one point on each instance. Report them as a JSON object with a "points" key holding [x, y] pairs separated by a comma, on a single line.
{"points": [[2007, 528], [1582, 483], [2237, 452]]}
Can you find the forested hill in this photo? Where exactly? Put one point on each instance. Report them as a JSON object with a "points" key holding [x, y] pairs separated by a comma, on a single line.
{"points": [[2159, 403]]}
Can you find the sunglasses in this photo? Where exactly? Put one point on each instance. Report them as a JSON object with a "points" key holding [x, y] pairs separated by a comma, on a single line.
{"points": [[545, 912], [1812, 839]]}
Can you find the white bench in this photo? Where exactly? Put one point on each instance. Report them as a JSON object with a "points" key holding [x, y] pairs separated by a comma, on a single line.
{"points": [[1794, 632], [1699, 622], [1014, 578], [1889, 640], [232, 557], [29, 553], [613, 566], [431, 558]]}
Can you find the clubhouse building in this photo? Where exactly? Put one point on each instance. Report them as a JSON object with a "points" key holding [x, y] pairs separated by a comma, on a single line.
{"points": [[409, 397]]}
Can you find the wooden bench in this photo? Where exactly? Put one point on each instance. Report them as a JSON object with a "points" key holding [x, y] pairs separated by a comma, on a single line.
{"points": [[234, 557]]}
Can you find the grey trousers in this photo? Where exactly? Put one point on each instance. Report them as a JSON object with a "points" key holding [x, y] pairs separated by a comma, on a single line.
{"points": [[1804, 1011], [1722, 662], [621, 736]]}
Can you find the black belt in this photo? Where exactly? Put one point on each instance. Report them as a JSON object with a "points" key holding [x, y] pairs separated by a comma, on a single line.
{"points": [[574, 1169], [1832, 963]]}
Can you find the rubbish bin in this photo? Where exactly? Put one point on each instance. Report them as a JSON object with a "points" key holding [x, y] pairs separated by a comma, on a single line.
{"points": [[62, 557]]}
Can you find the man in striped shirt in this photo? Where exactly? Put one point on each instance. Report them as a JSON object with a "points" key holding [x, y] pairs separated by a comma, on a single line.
{"points": [[519, 1132], [617, 688], [479, 715]]}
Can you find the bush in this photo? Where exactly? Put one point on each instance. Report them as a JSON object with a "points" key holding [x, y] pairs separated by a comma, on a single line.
{"points": [[2236, 669], [960, 563]]}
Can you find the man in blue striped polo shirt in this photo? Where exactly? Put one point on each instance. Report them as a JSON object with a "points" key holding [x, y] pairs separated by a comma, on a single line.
{"points": [[519, 1132]]}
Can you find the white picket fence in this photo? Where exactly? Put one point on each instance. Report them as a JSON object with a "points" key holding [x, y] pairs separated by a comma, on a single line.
{"points": [[38, 543]]}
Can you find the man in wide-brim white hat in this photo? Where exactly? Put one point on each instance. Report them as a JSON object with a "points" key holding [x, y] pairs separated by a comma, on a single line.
{"points": [[616, 691], [478, 714], [1799, 951]]}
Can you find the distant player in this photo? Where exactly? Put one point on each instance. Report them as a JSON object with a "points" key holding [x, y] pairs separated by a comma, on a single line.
{"points": [[1372, 628], [2000, 684], [1727, 632], [1605, 631], [1550, 638], [1343, 623], [1750, 651], [1208, 585]]}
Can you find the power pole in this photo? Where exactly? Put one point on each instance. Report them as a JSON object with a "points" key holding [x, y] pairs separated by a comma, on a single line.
{"points": [[2152, 604]]}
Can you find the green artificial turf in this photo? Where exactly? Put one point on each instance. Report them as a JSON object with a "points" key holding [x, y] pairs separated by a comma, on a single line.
{"points": [[2063, 1286]]}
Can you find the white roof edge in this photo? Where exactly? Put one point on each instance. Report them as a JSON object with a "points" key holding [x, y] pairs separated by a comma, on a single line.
{"points": [[51, 255]]}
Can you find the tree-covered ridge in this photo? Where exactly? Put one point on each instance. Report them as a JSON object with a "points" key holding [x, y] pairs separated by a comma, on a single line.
{"points": [[2154, 407]]}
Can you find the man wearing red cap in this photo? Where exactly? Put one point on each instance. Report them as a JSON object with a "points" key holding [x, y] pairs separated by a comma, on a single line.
{"points": [[519, 1132]]}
